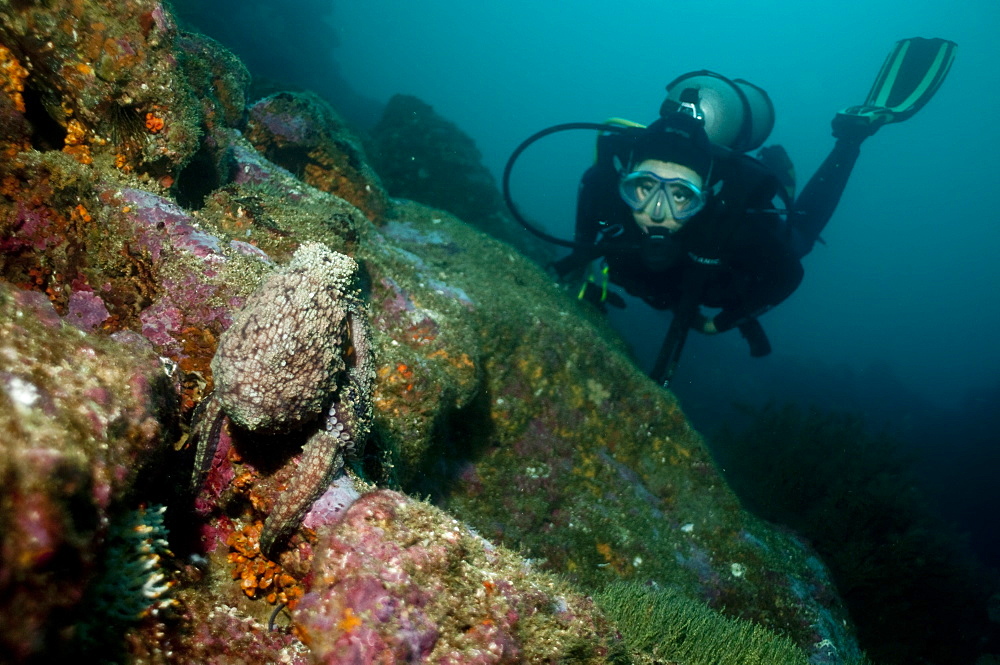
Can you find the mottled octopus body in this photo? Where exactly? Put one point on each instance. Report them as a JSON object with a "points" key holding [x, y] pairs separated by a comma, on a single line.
{"points": [[298, 355]]}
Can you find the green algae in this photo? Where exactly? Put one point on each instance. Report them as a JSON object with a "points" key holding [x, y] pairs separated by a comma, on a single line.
{"points": [[663, 624]]}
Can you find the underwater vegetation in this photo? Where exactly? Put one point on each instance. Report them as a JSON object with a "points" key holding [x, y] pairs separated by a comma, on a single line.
{"points": [[665, 625], [906, 576], [132, 583], [144, 198]]}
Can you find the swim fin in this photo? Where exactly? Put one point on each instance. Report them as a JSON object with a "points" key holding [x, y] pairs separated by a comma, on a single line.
{"points": [[910, 75]]}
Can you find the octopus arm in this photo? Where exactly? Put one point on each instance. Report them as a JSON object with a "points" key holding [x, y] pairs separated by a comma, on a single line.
{"points": [[322, 457], [205, 430], [347, 425], [355, 401]]}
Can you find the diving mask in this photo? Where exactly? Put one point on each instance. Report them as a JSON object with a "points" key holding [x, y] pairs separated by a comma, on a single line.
{"points": [[644, 191]]}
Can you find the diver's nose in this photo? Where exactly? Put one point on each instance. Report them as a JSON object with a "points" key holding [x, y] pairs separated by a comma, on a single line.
{"points": [[658, 210]]}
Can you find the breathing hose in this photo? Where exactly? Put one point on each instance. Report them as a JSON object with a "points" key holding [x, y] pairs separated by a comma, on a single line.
{"points": [[592, 126]]}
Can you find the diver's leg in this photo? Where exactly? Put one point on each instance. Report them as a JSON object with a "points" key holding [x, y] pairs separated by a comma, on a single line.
{"points": [[819, 198]]}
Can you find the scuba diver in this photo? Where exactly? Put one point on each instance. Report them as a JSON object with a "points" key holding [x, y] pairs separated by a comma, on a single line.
{"points": [[681, 217]]}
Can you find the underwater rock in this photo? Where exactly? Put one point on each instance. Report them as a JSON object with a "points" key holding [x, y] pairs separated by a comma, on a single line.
{"points": [[218, 78], [82, 415], [424, 157], [399, 580], [104, 83], [569, 453], [300, 132], [496, 394]]}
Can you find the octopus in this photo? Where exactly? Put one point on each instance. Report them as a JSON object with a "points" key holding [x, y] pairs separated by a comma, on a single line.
{"points": [[297, 357]]}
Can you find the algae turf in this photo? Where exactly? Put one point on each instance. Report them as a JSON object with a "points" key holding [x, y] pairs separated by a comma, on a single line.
{"points": [[664, 625]]}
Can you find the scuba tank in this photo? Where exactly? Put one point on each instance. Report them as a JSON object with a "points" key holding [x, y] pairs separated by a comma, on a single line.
{"points": [[738, 115]]}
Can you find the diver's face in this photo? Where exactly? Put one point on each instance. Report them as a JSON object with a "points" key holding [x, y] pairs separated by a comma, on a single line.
{"points": [[659, 217]]}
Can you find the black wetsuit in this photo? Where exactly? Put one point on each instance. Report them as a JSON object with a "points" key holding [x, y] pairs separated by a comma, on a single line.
{"points": [[736, 254], [738, 257]]}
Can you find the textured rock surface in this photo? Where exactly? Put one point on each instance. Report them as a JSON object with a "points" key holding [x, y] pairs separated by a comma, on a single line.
{"points": [[104, 83], [300, 132], [81, 416], [144, 219], [399, 580], [425, 157]]}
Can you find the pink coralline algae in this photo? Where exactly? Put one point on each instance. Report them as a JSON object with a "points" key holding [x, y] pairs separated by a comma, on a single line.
{"points": [[399, 581], [185, 303], [38, 305], [218, 477], [33, 229], [289, 128], [80, 416], [86, 310], [249, 167], [408, 233], [247, 249], [156, 212], [161, 323], [333, 504], [221, 634]]}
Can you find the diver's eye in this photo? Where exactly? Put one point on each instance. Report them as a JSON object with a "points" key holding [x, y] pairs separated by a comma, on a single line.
{"points": [[644, 186], [682, 196]]}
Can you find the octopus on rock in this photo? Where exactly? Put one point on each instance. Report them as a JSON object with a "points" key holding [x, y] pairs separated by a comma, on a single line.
{"points": [[298, 355]]}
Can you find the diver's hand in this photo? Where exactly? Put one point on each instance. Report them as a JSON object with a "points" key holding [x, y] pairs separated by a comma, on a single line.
{"points": [[705, 324]]}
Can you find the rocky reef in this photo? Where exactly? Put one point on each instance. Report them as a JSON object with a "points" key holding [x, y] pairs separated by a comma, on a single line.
{"points": [[426, 158], [143, 199]]}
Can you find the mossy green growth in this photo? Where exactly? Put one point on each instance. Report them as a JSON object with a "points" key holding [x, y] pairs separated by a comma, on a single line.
{"points": [[665, 625]]}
